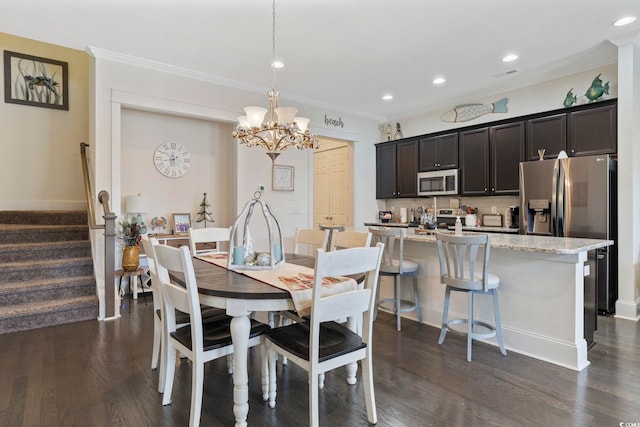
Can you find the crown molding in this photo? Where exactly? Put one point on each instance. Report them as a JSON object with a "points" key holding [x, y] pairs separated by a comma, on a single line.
{"points": [[99, 53]]}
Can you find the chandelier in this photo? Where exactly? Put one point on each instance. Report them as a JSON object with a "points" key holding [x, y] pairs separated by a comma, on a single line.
{"points": [[282, 128]]}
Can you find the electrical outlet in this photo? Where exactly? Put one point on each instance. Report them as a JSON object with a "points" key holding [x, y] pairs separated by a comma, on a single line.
{"points": [[494, 209]]}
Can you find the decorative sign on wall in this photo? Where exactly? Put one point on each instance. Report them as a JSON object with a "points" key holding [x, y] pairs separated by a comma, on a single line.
{"points": [[466, 112], [333, 122], [36, 81]]}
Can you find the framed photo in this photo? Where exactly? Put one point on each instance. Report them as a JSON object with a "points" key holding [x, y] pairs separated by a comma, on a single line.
{"points": [[36, 81], [282, 178], [181, 222]]}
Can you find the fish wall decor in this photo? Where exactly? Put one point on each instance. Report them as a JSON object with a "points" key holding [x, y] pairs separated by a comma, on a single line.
{"points": [[570, 99], [466, 112], [597, 89]]}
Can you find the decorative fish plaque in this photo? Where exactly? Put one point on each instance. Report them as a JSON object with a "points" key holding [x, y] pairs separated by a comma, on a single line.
{"points": [[466, 112]]}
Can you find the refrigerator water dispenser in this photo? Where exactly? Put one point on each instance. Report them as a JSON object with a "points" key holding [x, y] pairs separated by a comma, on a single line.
{"points": [[539, 216]]}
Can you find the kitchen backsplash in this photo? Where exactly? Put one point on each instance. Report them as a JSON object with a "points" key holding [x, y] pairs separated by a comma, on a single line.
{"points": [[484, 204]]}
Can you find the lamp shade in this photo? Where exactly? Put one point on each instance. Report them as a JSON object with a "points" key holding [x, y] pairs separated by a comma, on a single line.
{"points": [[286, 114], [303, 123], [137, 204], [255, 115]]}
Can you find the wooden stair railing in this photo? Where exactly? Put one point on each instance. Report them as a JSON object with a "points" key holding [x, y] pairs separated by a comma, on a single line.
{"points": [[103, 253]]}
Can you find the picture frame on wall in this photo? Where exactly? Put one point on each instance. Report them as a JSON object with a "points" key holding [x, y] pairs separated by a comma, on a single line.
{"points": [[35, 81], [181, 223], [282, 178]]}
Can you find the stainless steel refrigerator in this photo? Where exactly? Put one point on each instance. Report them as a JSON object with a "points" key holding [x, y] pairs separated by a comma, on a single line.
{"points": [[575, 197]]}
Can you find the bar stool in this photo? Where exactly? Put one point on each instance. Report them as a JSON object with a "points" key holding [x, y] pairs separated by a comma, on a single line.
{"points": [[459, 272], [131, 276], [397, 267]]}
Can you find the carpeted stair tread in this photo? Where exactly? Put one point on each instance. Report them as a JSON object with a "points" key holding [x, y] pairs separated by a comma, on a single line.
{"points": [[18, 234], [42, 314], [33, 264], [43, 217], [42, 290], [54, 250]]}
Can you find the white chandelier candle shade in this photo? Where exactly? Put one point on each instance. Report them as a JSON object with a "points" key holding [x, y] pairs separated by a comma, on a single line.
{"points": [[281, 129]]}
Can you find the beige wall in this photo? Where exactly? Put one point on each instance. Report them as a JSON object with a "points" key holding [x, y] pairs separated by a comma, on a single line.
{"points": [[41, 146]]}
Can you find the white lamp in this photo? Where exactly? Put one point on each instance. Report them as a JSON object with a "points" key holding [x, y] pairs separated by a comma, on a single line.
{"points": [[137, 204]]}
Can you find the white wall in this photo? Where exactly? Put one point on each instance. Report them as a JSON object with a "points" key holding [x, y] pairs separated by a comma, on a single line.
{"points": [[210, 146], [127, 83]]}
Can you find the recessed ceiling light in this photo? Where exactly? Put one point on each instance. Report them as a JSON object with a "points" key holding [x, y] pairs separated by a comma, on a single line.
{"points": [[510, 57], [624, 21], [277, 64], [387, 97], [439, 80]]}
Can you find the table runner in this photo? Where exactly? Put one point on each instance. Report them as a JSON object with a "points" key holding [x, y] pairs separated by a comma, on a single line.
{"points": [[293, 278]]}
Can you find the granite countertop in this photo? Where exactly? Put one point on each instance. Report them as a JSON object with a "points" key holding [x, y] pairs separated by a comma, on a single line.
{"points": [[527, 243], [483, 228]]}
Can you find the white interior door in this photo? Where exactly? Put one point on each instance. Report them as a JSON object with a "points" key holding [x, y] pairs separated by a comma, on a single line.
{"points": [[333, 185]]}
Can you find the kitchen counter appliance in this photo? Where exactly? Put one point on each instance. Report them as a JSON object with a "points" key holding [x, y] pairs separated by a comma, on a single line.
{"points": [[437, 183], [575, 197]]}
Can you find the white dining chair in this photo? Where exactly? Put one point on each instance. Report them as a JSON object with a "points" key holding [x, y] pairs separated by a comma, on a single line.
{"points": [[321, 345], [306, 241], [217, 235], [349, 239], [201, 341], [460, 271]]}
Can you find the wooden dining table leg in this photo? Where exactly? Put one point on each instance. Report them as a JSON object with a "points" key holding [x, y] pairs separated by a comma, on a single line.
{"points": [[240, 329]]}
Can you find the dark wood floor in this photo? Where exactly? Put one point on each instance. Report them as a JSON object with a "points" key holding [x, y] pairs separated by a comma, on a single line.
{"points": [[97, 374]]}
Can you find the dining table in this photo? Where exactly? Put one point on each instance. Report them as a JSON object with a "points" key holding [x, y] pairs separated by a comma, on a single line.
{"points": [[241, 295]]}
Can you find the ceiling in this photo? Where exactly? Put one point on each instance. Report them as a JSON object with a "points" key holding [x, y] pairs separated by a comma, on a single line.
{"points": [[345, 54]]}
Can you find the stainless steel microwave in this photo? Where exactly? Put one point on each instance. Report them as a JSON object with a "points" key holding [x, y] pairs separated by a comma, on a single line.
{"points": [[438, 183]]}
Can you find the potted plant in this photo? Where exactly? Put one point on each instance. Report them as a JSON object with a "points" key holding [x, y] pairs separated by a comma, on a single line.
{"points": [[131, 231]]}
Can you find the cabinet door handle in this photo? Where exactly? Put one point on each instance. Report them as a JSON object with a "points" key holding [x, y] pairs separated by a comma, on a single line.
{"points": [[493, 189]]}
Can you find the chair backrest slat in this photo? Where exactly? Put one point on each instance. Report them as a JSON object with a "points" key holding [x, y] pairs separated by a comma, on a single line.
{"points": [[350, 239], [215, 235], [148, 244], [311, 239], [458, 258], [390, 237]]}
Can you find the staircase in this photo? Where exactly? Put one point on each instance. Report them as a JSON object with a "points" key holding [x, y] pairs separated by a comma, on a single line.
{"points": [[46, 270]]}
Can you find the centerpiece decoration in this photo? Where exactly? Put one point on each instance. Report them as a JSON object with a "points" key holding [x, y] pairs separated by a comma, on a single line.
{"points": [[131, 231], [244, 256]]}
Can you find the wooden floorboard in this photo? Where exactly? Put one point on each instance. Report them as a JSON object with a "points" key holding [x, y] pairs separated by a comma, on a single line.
{"points": [[98, 374]]}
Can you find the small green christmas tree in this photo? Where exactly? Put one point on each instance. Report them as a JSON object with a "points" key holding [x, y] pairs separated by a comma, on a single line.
{"points": [[205, 214]]}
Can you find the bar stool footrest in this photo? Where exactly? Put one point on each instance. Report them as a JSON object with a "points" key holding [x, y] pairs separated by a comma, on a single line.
{"points": [[390, 305], [475, 335]]}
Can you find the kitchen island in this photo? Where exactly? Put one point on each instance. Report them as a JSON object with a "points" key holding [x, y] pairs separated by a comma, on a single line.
{"points": [[541, 293]]}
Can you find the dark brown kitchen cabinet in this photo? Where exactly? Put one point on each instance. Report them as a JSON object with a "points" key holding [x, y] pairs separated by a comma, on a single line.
{"points": [[490, 159], [396, 169], [593, 131], [386, 171], [438, 152], [507, 151], [548, 133], [474, 162], [407, 168]]}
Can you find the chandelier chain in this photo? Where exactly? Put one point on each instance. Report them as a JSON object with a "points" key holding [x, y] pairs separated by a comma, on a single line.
{"points": [[273, 45]]}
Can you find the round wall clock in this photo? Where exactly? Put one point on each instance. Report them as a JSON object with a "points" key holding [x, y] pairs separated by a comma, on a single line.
{"points": [[172, 159]]}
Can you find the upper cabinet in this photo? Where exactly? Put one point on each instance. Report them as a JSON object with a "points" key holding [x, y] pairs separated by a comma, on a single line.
{"points": [[397, 169], [474, 162], [593, 131], [490, 159], [386, 171], [548, 133], [438, 152], [506, 151]]}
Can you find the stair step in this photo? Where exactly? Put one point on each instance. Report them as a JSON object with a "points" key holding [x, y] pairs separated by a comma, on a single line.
{"points": [[49, 250], [18, 234], [39, 270], [47, 313], [43, 290], [44, 217]]}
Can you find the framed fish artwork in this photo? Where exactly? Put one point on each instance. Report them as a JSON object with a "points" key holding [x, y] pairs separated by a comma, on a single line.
{"points": [[466, 112], [36, 81]]}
